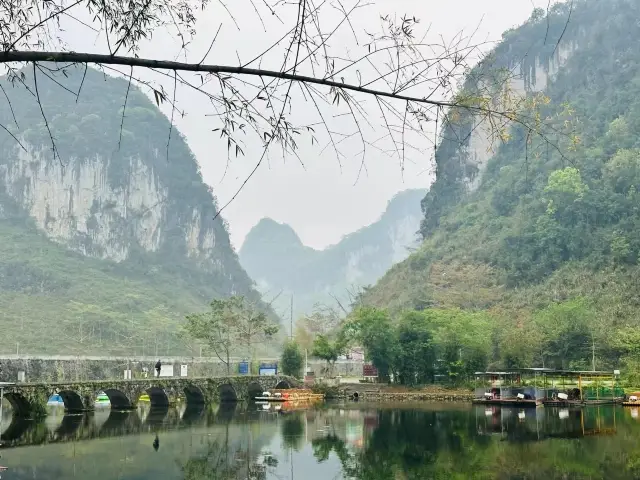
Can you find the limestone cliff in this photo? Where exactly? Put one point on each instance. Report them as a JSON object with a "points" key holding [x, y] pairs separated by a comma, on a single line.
{"points": [[118, 188], [276, 258], [527, 61], [99, 198], [507, 228]]}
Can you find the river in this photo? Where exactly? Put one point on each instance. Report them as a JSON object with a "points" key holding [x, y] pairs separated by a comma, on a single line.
{"points": [[335, 441]]}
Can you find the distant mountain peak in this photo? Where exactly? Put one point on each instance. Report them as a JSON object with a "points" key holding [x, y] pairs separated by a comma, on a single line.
{"points": [[275, 257], [268, 230]]}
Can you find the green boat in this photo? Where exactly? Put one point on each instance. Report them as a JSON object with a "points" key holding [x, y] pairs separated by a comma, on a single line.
{"points": [[102, 398]]}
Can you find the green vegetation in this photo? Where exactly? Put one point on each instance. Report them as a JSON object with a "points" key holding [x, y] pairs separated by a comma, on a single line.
{"points": [[56, 301], [292, 361], [419, 346], [276, 259], [232, 326], [546, 248]]}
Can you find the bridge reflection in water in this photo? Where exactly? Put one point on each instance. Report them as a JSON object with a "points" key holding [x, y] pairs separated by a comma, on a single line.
{"points": [[103, 423]]}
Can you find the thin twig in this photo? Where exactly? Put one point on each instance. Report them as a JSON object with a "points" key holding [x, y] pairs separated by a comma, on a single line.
{"points": [[564, 29], [10, 106], [46, 123], [173, 109], [210, 46], [84, 75], [124, 107]]}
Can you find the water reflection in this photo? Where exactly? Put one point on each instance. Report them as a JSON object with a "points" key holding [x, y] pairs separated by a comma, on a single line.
{"points": [[355, 441]]}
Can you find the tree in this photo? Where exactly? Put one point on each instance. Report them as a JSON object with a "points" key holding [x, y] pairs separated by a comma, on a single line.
{"points": [[372, 328], [229, 324], [417, 352], [413, 82], [291, 361], [571, 334], [328, 350], [322, 321]]}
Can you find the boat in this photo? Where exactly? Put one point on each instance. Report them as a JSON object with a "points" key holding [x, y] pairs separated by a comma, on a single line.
{"points": [[632, 400], [532, 387], [55, 400], [267, 397], [102, 399], [294, 394], [585, 388], [507, 389]]}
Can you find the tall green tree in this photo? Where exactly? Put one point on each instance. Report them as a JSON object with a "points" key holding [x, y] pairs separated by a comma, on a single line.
{"points": [[230, 324], [373, 329], [416, 350], [291, 361], [329, 350]]}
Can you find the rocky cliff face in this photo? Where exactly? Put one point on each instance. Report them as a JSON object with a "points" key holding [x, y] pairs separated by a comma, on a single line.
{"points": [[115, 223], [75, 205], [108, 194], [276, 258], [523, 79], [528, 61]]}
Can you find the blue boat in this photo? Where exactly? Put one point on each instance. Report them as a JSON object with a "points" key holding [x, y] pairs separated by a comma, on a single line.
{"points": [[55, 400]]}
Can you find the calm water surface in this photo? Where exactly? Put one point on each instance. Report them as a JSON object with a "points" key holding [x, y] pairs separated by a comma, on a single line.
{"points": [[350, 441]]}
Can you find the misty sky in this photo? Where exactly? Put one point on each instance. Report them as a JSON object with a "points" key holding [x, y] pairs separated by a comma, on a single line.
{"points": [[322, 200]]}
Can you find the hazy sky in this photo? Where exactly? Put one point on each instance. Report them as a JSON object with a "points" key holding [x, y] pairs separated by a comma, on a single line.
{"points": [[322, 201]]}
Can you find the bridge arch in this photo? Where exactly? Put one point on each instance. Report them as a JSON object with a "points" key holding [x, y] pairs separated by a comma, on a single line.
{"points": [[72, 401], [194, 395], [254, 389], [118, 399], [20, 405], [283, 384], [226, 393], [157, 397]]}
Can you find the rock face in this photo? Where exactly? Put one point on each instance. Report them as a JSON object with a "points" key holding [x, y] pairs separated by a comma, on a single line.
{"points": [[76, 205], [277, 260], [527, 62], [101, 199], [523, 79], [107, 200], [103, 190]]}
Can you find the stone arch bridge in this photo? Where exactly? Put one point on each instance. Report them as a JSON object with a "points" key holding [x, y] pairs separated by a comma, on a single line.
{"points": [[29, 400]]}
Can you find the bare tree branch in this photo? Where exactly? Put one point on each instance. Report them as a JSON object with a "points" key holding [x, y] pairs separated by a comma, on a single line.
{"points": [[389, 66], [44, 117], [124, 108]]}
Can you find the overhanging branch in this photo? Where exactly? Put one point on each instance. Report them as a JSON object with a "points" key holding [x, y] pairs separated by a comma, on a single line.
{"points": [[75, 57]]}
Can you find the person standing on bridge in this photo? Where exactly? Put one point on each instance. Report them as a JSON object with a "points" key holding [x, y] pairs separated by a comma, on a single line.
{"points": [[158, 367]]}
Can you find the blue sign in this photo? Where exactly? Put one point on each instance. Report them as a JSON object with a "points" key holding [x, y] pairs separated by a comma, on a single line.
{"points": [[268, 369], [243, 368]]}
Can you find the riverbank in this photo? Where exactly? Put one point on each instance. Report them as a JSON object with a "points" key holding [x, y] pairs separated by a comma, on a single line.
{"points": [[388, 393]]}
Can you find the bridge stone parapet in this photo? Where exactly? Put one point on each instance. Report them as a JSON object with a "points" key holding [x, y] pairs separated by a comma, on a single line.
{"points": [[63, 368], [29, 400]]}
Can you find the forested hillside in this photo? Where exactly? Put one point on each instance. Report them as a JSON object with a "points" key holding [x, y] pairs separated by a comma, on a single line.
{"points": [[537, 249], [108, 243]]}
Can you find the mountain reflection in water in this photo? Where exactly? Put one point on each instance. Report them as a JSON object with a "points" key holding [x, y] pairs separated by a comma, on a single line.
{"points": [[351, 441]]}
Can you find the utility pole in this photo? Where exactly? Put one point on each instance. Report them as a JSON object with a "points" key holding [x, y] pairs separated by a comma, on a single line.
{"points": [[593, 355], [291, 319]]}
